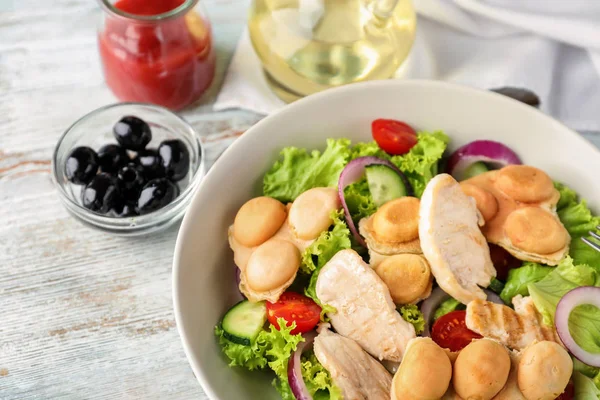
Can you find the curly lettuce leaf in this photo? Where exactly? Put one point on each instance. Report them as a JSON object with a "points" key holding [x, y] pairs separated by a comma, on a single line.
{"points": [[299, 170], [420, 164], [411, 313], [366, 149], [284, 389], [327, 244], [359, 200], [448, 306], [519, 278], [585, 389], [578, 220], [317, 379], [584, 321], [272, 348], [320, 252]]}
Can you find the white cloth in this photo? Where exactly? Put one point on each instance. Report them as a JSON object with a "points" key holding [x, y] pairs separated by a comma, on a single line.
{"points": [[551, 47]]}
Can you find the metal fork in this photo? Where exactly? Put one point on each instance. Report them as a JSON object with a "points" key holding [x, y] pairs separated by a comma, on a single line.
{"points": [[591, 243]]}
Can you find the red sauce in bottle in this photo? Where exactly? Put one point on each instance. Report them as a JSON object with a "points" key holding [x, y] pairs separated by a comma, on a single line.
{"points": [[168, 62]]}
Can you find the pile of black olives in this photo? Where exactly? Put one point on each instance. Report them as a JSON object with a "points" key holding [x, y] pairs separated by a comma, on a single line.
{"points": [[121, 185]]}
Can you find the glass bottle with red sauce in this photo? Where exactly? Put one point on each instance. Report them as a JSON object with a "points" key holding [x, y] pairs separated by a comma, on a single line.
{"points": [[156, 51]]}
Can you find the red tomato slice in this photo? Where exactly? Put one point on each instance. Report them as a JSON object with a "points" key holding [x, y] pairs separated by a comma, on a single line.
{"points": [[569, 393], [503, 261], [450, 331], [394, 137], [295, 307]]}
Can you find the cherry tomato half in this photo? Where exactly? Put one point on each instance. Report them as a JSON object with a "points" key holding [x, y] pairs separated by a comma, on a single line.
{"points": [[503, 261], [569, 393], [394, 137], [295, 307], [450, 331]]}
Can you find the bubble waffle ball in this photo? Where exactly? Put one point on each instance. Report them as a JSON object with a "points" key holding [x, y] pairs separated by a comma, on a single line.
{"points": [[481, 370], [408, 277], [268, 238], [393, 229], [425, 372], [518, 203]]}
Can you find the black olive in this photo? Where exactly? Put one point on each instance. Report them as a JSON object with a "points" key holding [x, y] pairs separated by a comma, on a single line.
{"points": [[156, 194], [131, 180], [125, 210], [81, 165], [175, 158], [132, 133], [150, 160], [101, 194], [112, 157], [519, 94]]}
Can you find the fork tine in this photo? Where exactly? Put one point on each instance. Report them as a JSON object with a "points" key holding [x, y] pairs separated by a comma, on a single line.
{"points": [[593, 245], [595, 235]]}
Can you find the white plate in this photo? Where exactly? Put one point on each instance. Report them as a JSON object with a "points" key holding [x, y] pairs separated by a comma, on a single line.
{"points": [[203, 273]]}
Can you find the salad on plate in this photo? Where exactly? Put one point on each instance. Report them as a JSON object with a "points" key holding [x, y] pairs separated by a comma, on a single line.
{"points": [[393, 270]]}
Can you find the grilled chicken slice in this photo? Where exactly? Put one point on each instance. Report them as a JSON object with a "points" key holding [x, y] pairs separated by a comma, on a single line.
{"points": [[516, 328], [452, 241], [358, 375], [365, 311]]}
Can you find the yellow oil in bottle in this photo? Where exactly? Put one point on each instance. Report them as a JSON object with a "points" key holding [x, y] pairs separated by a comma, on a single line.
{"points": [[306, 46]]}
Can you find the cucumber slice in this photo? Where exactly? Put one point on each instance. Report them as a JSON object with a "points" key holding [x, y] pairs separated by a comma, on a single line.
{"points": [[384, 184], [244, 321], [475, 169]]}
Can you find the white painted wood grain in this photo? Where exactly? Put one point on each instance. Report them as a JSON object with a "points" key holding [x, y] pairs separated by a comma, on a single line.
{"points": [[84, 315]]}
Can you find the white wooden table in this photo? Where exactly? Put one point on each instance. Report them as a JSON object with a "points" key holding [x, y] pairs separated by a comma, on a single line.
{"points": [[83, 315]]}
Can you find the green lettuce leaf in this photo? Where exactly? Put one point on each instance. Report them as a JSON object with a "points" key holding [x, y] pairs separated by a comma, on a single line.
{"points": [[448, 306], [584, 322], [320, 252], [271, 348], [578, 220], [591, 372], [359, 200], [327, 244], [420, 164], [411, 313], [317, 379], [300, 170], [519, 278], [585, 389], [284, 389], [365, 149]]}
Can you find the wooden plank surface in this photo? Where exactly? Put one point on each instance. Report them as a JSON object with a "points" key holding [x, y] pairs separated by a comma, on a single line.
{"points": [[84, 315]]}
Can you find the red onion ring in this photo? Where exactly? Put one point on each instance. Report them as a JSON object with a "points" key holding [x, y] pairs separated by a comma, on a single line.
{"points": [[488, 151], [493, 297], [576, 297], [352, 172], [295, 379]]}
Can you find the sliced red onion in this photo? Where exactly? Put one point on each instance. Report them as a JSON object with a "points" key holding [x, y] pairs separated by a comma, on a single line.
{"points": [[492, 153], [355, 170], [576, 297], [438, 296], [493, 297], [295, 379]]}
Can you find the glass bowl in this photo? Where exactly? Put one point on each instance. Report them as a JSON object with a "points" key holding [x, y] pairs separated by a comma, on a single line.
{"points": [[95, 130]]}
